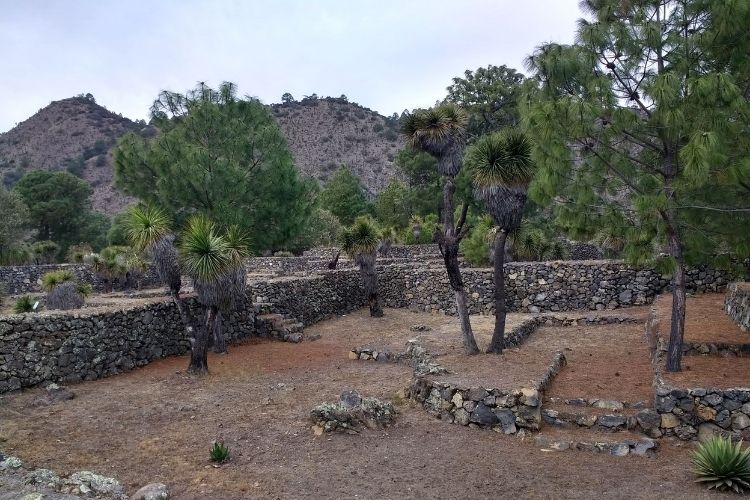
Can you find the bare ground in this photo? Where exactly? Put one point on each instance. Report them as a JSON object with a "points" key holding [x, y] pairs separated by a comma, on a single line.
{"points": [[706, 321], [156, 424]]}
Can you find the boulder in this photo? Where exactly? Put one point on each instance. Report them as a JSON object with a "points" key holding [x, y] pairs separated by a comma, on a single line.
{"points": [[153, 491]]}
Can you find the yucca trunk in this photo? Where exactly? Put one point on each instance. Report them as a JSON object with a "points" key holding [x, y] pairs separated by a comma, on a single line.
{"points": [[199, 344], [220, 342], [366, 262], [449, 243], [498, 335]]}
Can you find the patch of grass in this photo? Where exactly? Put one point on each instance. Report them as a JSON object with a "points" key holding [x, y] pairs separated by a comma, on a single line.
{"points": [[219, 452], [722, 465], [24, 304], [53, 278]]}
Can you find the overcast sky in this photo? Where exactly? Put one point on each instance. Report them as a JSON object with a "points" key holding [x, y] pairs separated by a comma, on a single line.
{"points": [[388, 55]]}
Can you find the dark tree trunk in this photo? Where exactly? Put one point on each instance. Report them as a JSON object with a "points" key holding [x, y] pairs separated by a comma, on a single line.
{"points": [[498, 336], [370, 282], [679, 292], [335, 261], [199, 345], [220, 343], [448, 241]]}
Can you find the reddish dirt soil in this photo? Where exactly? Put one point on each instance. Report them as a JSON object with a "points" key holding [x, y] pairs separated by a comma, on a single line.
{"points": [[156, 424], [706, 321], [604, 361]]}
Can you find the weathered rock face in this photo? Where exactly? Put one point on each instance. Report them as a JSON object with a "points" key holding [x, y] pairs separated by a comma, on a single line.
{"points": [[737, 304]]}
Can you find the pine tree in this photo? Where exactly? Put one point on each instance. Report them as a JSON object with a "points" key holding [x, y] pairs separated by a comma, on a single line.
{"points": [[641, 126]]}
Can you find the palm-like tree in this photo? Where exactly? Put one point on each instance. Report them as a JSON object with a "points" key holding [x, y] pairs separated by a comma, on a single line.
{"points": [[360, 242], [441, 132], [232, 284], [215, 262], [148, 230], [502, 169]]}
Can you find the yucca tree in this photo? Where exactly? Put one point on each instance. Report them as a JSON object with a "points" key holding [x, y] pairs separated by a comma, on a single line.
{"points": [[232, 284], [148, 230], [214, 262], [501, 168], [360, 242], [441, 132]]}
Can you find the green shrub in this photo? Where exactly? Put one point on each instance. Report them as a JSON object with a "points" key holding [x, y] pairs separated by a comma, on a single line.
{"points": [[722, 465], [3, 293], [219, 452], [283, 253], [54, 278], [76, 253], [24, 304], [45, 251]]}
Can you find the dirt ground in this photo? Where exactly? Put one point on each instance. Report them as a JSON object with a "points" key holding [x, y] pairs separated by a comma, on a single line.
{"points": [[706, 321], [156, 424]]}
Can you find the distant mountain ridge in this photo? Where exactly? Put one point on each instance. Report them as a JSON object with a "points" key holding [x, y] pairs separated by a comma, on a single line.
{"points": [[77, 134]]}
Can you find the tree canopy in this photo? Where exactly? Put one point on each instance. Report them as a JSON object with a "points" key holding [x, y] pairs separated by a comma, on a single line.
{"points": [[60, 209], [13, 222], [490, 95], [344, 196], [640, 127], [221, 156]]}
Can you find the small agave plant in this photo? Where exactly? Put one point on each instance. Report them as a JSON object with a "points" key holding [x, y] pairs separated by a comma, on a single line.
{"points": [[722, 465], [219, 452]]}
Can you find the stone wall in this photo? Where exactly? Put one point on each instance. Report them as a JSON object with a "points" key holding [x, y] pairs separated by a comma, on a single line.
{"points": [[737, 304], [312, 298], [537, 286], [60, 347], [36, 348], [28, 279]]}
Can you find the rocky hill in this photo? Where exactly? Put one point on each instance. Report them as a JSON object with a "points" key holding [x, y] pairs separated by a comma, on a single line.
{"points": [[77, 135], [74, 134], [324, 134]]}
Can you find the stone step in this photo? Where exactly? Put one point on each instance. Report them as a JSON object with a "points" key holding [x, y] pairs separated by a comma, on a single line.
{"points": [[604, 403], [263, 307], [599, 418], [269, 317], [620, 444]]}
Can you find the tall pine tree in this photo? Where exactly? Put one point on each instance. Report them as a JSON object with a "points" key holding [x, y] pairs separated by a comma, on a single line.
{"points": [[641, 127]]}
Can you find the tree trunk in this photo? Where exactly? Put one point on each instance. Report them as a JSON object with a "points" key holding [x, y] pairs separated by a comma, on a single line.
{"points": [[220, 343], [449, 245], [370, 282], [199, 348], [498, 336], [679, 292]]}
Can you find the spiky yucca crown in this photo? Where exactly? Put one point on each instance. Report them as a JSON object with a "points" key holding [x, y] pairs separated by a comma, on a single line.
{"points": [[439, 131], [501, 159], [361, 238], [145, 225]]}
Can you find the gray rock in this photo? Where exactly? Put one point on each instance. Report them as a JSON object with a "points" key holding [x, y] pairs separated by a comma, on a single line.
{"points": [[685, 432], [664, 404], [608, 404], [643, 446], [507, 420], [478, 394], [483, 415], [648, 419], [43, 477], [461, 416], [88, 481], [707, 430], [619, 449], [350, 399], [153, 491], [11, 463], [740, 421], [713, 399], [611, 421]]}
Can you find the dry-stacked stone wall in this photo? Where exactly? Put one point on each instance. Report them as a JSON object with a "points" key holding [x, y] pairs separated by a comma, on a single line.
{"points": [[19, 280], [35, 348], [538, 286], [737, 304]]}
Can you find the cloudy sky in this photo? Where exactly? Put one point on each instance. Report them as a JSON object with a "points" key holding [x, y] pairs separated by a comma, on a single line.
{"points": [[387, 55]]}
